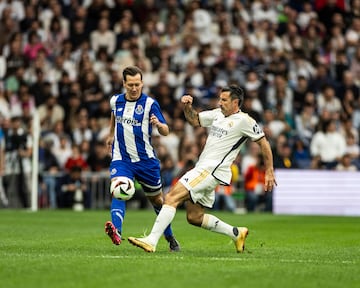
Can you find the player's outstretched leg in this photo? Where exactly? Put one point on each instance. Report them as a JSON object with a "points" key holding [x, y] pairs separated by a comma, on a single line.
{"points": [[113, 228], [162, 221], [237, 234], [174, 245]]}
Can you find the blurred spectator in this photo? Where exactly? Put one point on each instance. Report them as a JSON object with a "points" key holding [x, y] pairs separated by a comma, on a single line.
{"points": [[14, 55], [327, 146], [54, 37], [82, 130], [172, 140], [223, 194], [99, 158], [4, 202], [76, 159], [306, 122], [50, 113], [103, 37], [33, 46], [305, 15], [345, 164], [49, 167], [78, 34], [327, 100], [18, 151], [280, 94], [250, 156], [284, 159], [64, 151], [72, 190], [254, 180], [301, 154], [167, 171], [4, 105]]}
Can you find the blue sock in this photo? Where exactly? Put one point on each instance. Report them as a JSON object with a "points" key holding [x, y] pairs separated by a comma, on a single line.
{"points": [[117, 213], [168, 232]]}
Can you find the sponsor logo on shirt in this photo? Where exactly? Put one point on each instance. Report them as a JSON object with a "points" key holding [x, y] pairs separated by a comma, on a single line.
{"points": [[218, 131], [128, 121]]}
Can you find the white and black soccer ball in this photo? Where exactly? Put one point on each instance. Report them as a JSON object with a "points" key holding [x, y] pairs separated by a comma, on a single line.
{"points": [[122, 188]]}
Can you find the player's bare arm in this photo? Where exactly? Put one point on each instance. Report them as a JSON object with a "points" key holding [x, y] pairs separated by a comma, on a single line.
{"points": [[110, 137], [270, 181], [162, 127], [190, 113]]}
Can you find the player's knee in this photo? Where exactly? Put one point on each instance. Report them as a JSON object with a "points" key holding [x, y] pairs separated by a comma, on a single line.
{"points": [[156, 200], [194, 218]]}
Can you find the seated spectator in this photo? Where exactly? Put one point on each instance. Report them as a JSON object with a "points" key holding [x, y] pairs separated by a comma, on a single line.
{"points": [[346, 164], [301, 154], [76, 159], [72, 190], [327, 146], [284, 159]]}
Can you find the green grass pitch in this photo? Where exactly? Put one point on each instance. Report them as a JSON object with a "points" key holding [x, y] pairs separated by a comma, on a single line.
{"points": [[70, 249]]}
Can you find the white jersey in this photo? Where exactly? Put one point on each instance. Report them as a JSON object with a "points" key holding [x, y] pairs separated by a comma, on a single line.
{"points": [[226, 136]]}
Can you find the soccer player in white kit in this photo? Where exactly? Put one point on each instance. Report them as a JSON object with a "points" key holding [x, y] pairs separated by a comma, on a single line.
{"points": [[229, 130]]}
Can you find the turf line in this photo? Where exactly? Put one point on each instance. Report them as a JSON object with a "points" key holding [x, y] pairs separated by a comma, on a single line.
{"points": [[229, 259]]}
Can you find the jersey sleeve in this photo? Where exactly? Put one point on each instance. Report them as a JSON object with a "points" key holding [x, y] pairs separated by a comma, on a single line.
{"points": [[156, 110], [251, 128], [207, 117], [113, 102]]}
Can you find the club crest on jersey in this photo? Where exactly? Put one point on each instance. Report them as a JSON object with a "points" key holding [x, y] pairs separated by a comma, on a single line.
{"points": [[113, 171], [139, 109]]}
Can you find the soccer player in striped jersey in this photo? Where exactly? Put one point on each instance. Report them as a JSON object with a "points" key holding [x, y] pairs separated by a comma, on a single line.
{"points": [[230, 128], [134, 114]]}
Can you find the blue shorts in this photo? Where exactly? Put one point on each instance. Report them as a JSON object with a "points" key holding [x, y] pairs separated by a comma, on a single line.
{"points": [[147, 173]]}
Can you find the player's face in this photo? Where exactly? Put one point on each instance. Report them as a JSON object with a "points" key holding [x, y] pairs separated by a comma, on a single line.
{"points": [[133, 86], [227, 105]]}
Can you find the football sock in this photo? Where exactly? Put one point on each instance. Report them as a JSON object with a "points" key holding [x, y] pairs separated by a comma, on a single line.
{"points": [[117, 213], [163, 220], [168, 232], [214, 224]]}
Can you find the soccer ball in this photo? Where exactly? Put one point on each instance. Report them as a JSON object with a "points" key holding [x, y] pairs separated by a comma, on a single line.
{"points": [[122, 188]]}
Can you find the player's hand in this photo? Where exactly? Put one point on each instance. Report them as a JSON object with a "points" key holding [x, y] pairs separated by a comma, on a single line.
{"points": [[187, 99], [154, 120], [270, 181]]}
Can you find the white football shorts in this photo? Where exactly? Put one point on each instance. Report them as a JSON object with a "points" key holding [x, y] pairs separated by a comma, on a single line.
{"points": [[201, 185]]}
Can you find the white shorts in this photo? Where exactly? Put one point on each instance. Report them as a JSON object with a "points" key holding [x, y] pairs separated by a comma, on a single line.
{"points": [[201, 185]]}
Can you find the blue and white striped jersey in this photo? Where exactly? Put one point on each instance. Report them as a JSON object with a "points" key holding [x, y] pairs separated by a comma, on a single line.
{"points": [[132, 136]]}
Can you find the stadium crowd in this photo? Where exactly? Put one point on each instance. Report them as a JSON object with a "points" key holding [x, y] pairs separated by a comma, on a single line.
{"points": [[298, 61]]}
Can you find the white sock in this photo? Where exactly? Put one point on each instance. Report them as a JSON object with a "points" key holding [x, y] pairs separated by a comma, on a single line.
{"points": [[214, 224], [166, 215]]}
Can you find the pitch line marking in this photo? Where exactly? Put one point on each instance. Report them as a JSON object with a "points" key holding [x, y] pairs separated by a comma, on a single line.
{"points": [[310, 261]]}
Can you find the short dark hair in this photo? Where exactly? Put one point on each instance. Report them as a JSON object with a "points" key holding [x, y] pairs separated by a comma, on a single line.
{"points": [[132, 71], [236, 92]]}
